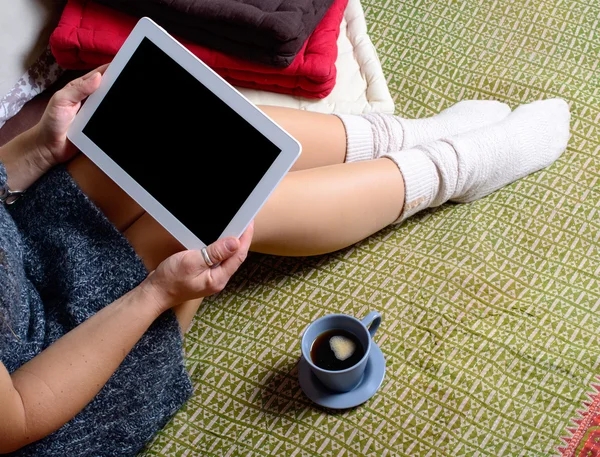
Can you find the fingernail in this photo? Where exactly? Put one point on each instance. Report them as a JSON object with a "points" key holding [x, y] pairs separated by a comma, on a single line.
{"points": [[90, 75], [230, 245]]}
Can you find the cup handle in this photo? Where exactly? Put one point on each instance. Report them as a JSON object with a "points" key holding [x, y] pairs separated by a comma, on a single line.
{"points": [[372, 321]]}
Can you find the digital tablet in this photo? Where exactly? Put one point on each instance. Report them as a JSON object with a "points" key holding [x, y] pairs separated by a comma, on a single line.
{"points": [[181, 141]]}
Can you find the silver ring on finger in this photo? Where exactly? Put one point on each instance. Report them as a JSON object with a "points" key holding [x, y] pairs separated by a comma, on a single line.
{"points": [[206, 257]]}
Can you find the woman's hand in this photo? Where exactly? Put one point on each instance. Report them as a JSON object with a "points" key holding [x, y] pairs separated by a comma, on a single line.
{"points": [[59, 114], [32, 153], [185, 276]]}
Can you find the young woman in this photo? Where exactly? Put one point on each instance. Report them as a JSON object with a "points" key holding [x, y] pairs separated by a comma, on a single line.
{"points": [[95, 294]]}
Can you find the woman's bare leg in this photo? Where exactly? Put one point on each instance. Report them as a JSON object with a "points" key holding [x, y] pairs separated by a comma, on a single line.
{"points": [[321, 210], [325, 204], [322, 207], [322, 136]]}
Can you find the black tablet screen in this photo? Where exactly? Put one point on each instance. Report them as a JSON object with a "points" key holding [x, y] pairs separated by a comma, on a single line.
{"points": [[180, 142]]}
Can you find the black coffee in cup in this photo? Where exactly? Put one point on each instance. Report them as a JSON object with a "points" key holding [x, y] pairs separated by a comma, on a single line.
{"points": [[336, 349]]}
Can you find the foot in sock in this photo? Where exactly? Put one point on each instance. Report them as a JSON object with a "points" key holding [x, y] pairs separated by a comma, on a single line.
{"points": [[369, 136], [466, 167]]}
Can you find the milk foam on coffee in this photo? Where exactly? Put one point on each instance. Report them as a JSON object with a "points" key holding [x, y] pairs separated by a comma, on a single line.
{"points": [[342, 347]]}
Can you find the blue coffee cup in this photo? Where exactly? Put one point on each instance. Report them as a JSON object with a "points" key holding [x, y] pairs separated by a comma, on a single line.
{"points": [[347, 379]]}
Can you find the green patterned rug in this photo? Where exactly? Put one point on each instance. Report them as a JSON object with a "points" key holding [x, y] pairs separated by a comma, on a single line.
{"points": [[491, 309]]}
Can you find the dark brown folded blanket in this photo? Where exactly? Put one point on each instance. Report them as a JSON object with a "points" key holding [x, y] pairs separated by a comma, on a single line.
{"points": [[271, 32]]}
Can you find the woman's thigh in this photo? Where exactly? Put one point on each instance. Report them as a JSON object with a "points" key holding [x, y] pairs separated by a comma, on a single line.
{"points": [[120, 209], [322, 136]]}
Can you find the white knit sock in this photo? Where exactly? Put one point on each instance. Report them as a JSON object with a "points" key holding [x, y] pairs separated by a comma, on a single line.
{"points": [[466, 167], [371, 135]]}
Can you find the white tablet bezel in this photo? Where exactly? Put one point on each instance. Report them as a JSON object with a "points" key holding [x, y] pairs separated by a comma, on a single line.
{"points": [[290, 147]]}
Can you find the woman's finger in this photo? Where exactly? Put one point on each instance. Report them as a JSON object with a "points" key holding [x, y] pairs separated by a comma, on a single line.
{"points": [[101, 69], [225, 248], [229, 266], [220, 250], [81, 88]]}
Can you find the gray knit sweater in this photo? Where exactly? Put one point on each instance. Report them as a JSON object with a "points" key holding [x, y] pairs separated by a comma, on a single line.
{"points": [[60, 262]]}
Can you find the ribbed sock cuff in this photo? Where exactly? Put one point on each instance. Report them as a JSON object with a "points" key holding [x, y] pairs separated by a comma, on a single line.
{"points": [[359, 137], [420, 180]]}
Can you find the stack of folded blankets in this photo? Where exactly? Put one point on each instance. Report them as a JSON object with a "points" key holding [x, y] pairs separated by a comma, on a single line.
{"points": [[283, 46]]}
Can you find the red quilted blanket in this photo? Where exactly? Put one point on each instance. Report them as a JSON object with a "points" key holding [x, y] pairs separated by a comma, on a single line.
{"points": [[90, 34]]}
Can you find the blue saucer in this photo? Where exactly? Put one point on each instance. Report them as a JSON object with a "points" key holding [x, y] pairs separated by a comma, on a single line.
{"points": [[321, 395]]}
